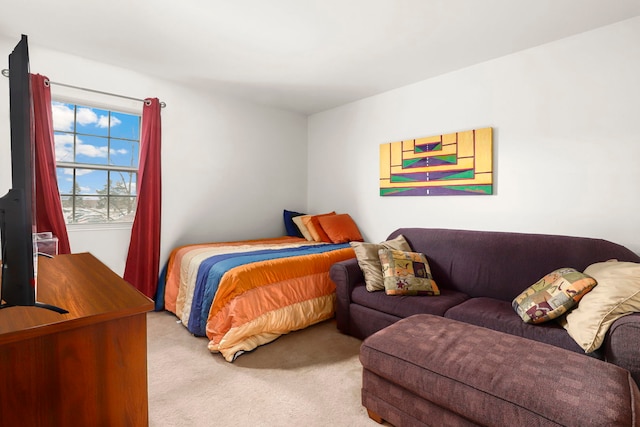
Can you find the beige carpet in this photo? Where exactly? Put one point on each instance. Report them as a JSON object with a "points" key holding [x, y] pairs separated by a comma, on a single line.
{"points": [[310, 377]]}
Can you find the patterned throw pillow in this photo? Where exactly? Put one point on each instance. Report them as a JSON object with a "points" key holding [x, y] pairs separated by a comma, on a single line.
{"points": [[369, 260], [553, 295], [406, 273]]}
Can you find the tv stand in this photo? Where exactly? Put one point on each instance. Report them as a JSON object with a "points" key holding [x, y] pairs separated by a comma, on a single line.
{"points": [[50, 307], [40, 305], [84, 367]]}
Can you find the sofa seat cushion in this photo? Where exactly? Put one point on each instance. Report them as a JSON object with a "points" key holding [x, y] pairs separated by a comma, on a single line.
{"points": [[405, 305], [499, 316]]}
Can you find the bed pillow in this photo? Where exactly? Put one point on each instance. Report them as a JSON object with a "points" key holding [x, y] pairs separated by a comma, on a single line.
{"points": [[406, 273], [617, 295], [553, 295], [369, 260], [290, 226], [298, 221], [340, 228], [316, 231]]}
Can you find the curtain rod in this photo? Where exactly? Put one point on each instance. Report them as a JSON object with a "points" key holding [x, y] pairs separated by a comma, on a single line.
{"points": [[5, 73]]}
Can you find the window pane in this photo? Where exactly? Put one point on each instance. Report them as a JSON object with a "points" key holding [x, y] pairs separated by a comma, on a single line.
{"points": [[92, 150], [63, 116], [124, 153], [91, 181], [92, 121], [65, 180], [88, 211], [64, 146], [122, 209], [67, 208], [122, 183], [125, 126]]}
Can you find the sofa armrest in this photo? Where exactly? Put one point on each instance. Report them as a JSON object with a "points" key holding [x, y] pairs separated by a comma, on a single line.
{"points": [[622, 343], [346, 275]]}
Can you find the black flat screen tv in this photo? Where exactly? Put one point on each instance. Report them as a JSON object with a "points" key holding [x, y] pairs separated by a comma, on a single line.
{"points": [[17, 207]]}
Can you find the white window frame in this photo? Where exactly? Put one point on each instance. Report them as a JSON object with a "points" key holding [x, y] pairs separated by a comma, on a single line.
{"points": [[127, 107]]}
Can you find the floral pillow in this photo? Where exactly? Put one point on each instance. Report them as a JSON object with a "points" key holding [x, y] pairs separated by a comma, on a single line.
{"points": [[406, 273], [553, 295]]}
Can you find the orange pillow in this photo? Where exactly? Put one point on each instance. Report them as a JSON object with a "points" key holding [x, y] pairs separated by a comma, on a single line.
{"points": [[315, 229], [340, 228]]}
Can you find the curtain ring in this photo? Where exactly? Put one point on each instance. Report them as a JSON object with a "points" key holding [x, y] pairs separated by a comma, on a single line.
{"points": [[147, 102], [46, 83]]}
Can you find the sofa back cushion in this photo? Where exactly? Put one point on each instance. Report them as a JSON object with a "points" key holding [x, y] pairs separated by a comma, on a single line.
{"points": [[502, 264]]}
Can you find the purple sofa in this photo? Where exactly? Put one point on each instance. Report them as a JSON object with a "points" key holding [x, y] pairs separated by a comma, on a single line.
{"points": [[479, 273]]}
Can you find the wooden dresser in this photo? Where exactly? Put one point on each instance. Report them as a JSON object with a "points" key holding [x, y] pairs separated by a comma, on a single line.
{"points": [[84, 368]]}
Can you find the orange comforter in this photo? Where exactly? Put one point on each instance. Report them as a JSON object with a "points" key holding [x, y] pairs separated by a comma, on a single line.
{"points": [[245, 294]]}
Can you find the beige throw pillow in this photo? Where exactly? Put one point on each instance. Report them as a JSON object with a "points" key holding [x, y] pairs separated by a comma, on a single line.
{"points": [[303, 228], [617, 294], [369, 260]]}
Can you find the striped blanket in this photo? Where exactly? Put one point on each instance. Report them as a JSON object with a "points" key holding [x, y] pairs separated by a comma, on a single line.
{"points": [[248, 293]]}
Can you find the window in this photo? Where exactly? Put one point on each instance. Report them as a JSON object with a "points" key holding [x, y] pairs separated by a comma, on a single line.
{"points": [[97, 153]]}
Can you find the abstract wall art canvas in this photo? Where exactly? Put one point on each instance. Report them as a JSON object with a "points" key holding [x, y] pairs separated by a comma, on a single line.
{"points": [[459, 163]]}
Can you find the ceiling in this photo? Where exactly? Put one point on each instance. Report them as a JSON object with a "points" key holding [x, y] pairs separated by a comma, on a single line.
{"points": [[301, 55]]}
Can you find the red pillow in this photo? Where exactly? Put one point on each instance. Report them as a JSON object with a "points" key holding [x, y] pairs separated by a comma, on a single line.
{"points": [[322, 235], [340, 228]]}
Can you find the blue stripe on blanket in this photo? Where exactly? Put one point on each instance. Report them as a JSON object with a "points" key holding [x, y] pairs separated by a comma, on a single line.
{"points": [[212, 269], [201, 282]]}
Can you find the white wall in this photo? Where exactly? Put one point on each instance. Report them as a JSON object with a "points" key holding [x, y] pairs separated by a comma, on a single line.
{"points": [[229, 167], [566, 143], [566, 148]]}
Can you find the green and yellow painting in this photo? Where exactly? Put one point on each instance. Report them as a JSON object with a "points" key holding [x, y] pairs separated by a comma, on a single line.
{"points": [[458, 163]]}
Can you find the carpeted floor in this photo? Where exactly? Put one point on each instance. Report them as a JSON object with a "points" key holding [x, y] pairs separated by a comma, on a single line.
{"points": [[310, 377]]}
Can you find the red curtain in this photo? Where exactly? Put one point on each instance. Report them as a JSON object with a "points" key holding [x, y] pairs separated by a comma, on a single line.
{"points": [[143, 259], [49, 215]]}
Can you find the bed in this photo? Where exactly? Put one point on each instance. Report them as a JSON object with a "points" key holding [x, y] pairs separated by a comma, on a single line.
{"points": [[244, 294]]}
